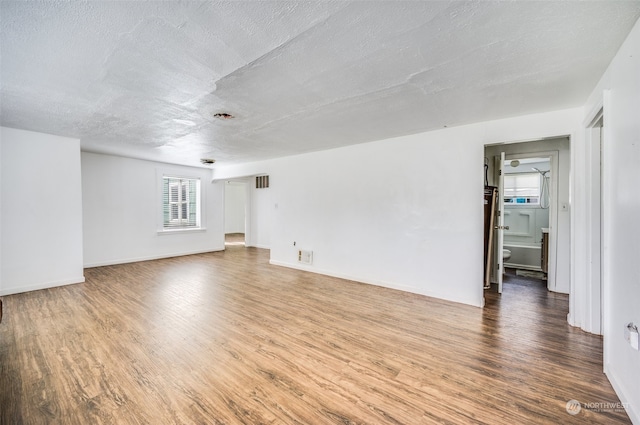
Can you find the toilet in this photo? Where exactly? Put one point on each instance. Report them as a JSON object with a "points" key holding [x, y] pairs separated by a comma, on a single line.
{"points": [[506, 254]]}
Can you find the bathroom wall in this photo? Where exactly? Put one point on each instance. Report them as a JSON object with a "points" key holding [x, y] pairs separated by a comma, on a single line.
{"points": [[524, 236]]}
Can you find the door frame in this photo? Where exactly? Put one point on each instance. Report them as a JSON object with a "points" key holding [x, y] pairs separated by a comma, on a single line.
{"points": [[554, 207], [594, 186], [500, 227], [247, 206], [553, 156]]}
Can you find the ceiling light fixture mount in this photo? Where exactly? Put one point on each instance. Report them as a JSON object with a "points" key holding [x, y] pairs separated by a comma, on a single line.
{"points": [[223, 116], [207, 161]]}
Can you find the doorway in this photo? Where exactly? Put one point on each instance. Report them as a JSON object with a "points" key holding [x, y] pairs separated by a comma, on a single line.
{"points": [[235, 212], [536, 228], [595, 276], [527, 202]]}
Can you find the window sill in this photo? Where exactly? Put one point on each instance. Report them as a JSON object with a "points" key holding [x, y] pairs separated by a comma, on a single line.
{"points": [[181, 231]]}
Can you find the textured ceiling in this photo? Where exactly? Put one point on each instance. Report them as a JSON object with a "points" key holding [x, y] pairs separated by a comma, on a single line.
{"points": [[144, 79]]}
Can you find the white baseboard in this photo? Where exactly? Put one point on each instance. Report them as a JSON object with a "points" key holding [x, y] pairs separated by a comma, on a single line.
{"points": [[634, 414], [389, 285], [39, 286], [149, 258], [259, 246], [570, 319]]}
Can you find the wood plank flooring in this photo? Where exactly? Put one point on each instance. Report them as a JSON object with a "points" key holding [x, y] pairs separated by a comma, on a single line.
{"points": [[234, 239], [225, 338]]}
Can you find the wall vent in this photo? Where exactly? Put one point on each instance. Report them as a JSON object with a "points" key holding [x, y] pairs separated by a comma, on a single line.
{"points": [[305, 257], [262, 182]]}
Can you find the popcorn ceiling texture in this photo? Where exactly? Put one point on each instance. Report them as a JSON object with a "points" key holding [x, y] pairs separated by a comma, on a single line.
{"points": [[144, 79]]}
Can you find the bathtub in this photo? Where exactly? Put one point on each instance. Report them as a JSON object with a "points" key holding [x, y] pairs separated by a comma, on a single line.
{"points": [[526, 257]]}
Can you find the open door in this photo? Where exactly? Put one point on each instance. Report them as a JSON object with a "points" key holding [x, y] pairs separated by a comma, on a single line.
{"points": [[500, 227]]}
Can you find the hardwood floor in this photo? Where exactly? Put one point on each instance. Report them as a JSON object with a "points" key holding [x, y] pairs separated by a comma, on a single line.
{"points": [[234, 239], [226, 338]]}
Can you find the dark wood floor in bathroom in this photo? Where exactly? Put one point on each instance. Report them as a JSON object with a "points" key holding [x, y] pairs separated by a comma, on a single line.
{"points": [[227, 338]]}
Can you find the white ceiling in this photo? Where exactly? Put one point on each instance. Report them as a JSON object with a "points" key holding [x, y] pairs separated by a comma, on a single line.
{"points": [[143, 79]]}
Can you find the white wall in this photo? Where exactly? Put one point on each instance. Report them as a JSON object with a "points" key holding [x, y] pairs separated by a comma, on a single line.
{"points": [[121, 204], [235, 199], [400, 212], [1, 134], [621, 211], [262, 211], [41, 217]]}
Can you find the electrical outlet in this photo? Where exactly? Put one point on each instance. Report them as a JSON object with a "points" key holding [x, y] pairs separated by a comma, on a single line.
{"points": [[305, 257]]}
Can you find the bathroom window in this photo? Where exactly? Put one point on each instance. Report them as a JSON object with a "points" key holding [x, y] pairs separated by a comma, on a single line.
{"points": [[522, 188]]}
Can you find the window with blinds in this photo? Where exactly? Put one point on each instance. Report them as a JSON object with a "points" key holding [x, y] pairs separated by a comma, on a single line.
{"points": [[180, 203], [522, 188]]}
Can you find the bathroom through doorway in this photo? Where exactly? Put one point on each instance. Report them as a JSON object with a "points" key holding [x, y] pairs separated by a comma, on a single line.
{"points": [[527, 201], [535, 207]]}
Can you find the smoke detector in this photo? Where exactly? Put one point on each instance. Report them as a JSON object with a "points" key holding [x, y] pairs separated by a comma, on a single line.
{"points": [[207, 161]]}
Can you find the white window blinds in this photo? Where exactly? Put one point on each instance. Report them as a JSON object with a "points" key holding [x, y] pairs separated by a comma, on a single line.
{"points": [[180, 202], [523, 188]]}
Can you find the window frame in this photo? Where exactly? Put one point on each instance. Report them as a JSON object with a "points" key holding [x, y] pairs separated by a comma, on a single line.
{"points": [[528, 197], [195, 207]]}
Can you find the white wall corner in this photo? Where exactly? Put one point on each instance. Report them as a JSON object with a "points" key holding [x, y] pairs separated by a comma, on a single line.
{"points": [[42, 285], [630, 406]]}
